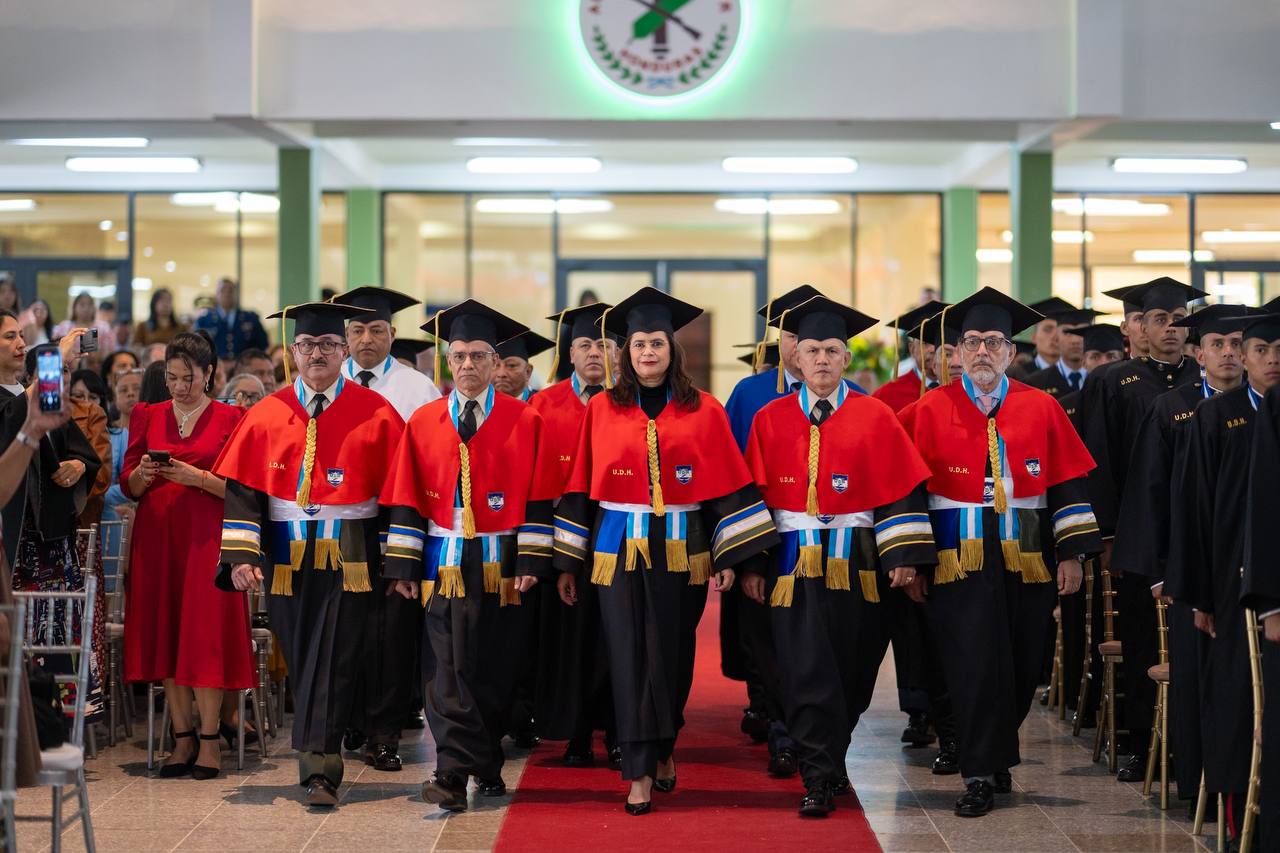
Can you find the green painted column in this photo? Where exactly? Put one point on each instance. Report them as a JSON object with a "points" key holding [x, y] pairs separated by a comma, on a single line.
{"points": [[1031, 212], [299, 226], [959, 243], [364, 237]]}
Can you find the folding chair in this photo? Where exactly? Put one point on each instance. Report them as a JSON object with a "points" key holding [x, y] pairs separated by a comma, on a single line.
{"points": [[115, 570], [11, 678]]}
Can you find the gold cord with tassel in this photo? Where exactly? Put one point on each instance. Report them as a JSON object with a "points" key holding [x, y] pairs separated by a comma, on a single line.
{"points": [[288, 380], [308, 462], [435, 358], [604, 347], [655, 474], [555, 358], [764, 341], [945, 378], [811, 501], [993, 452], [782, 373], [924, 376], [468, 514]]}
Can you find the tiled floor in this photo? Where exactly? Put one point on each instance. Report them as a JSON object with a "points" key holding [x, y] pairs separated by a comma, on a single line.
{"points": [[1060, 802]]}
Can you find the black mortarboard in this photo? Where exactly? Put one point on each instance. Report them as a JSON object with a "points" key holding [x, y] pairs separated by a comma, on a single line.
{"points": [[473, 321], [771, 357], [820, 318], [989, 310], [1077, 316], [1263, 326], [1052, 307], [1272, 307], [1024, 347], [583, 321], [936, 334], [1163, 294], [409, 348], [649, 310], [1213, 319], [320, 318], [793, 297], [381, 301], [1101, 337], [1124, 295], [911, 320], [525, 345]]}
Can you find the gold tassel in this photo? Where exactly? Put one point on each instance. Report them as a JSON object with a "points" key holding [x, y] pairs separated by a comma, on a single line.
{"points": [[282, 580], [993, 451], [760, 347], [970, 555], [677, 555], [438, 378], [809, 562], [468, 514], [555, 357], [870, 592], [602, 568], [425, 590], [450, 582], [492, 577], [510, 595], [924, 382], [782, 373], [783, 590], [1012, 553], [308, 462], [638, 547], [699, 568], [288, 380], [355, 577], [604, 348], [945, 378], [327, 555], [297, 550], [1033, 568], [655, 474], [948, 569], [811, 501], [837, 573]]}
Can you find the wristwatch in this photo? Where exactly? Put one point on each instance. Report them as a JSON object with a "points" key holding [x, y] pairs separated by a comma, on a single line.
{"points": [[23, 438]]}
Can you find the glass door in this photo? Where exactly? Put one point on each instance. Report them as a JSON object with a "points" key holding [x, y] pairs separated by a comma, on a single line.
{"points": [[58, 281], [1243, 282]]}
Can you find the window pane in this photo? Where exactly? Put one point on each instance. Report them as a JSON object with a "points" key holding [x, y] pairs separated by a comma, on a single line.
{"points": [[995, 255], [333, 241], [1135, 238], [1238, 227], [260, 261], [898, 251], [183, 247], [811, 247], [663, 226], [91, 225], [424, 252]]}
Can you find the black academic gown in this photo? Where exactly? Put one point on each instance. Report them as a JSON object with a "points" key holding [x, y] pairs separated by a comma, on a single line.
{"points": [[1053, 382], [1204, 571], [1260, 590], [1073, 606]]}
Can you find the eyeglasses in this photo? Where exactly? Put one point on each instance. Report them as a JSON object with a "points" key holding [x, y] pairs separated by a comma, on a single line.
{"points": [[325, 347], [249, 396], [994, 344], [457, 359]]}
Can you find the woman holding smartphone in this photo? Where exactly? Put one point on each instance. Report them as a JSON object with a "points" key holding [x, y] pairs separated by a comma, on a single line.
{"points": [[181, 630]]}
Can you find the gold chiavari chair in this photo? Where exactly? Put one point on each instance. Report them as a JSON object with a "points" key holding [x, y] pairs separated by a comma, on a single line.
{"points": [[1160, 730], [1112, 656]]}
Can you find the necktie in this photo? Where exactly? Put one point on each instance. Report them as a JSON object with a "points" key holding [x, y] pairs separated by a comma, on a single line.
{"points": [[931, 385], [821, 411], [1074, 379], [365, 377], [795, 386], [593, 390], [988, 402], [467, 422], [318, 407]]}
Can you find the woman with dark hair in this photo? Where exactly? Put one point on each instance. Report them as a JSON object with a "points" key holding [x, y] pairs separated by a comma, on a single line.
{"points": [[161, 324], [39, 329], [182, 631], [88, 387], [658, 486], [84, 315], [154, 388], [118, 362]]}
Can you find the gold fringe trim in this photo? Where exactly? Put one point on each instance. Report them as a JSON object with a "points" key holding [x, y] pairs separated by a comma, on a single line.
{"points": [[282, 580], [699, 568], [677, 555], [640, 548], [355, 577], [809, 562], [948, 569], [870, 592], [297, 550], [509, 595], [1012, 553], [602, 568], [838, 573], [783, 590], [492, 577], [450, 582], [970, 555], [308, 462], [1034, 570], [328, 555], [468, 514], [811, 498], [424, 593]]}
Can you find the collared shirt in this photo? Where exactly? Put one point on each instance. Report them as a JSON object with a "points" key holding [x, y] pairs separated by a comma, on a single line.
{"points": [[458, 402], [352, 369], [1041, 364], [984, 400], [306, 395], [1067, 371], [580, 387], [809, 401], [15, 389], [228, 316]]}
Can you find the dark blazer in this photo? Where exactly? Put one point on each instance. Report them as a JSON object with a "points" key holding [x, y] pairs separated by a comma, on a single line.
{"points": [[1052, 381]]}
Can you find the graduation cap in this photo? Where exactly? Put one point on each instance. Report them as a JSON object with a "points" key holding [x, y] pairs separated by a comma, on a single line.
{"points": [[525, 345], [1024, 347], [989, 310], [1213, 320], [1053, 307], [1163, 294], [409, 348], [910, 321], [648, 310], [770, 355], [1101, 337], [793, 297], [319, 318], [1264, 326], [1272, 307], [582, 322], [1123, 294], [380, 300], [934, 332], [473, 321], [1076, 317], [820, 318]]}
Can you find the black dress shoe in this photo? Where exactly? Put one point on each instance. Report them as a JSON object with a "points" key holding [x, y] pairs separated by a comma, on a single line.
{"points": [[841, 787], [447, 792], [201, 772], [1044, 697], [638, 809], [320, 792], [817, 801], [948, 761], [783, 763], [1003, 783], [491, 787], [666, 786], [1088, 719], [576, 755], [755, 725], [229, 734], [1134, 769], [383, 757], [615, 758], [525, 739], [978, 799], [353, 739], [173, 770], [415, 720], [917, 731]]}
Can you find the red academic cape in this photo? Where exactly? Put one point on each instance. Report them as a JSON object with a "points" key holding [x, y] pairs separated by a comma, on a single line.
{"points": [[865, 458], [1041, 446], [698, 457], [356, 438], [509, 466], [901, 392], [562, 413]]}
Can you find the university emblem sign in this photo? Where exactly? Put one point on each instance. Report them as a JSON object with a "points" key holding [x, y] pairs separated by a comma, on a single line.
{"points": [[660, 48]]}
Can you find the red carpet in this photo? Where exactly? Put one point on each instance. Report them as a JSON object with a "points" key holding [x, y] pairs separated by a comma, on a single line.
{"points": [[724, 798]]}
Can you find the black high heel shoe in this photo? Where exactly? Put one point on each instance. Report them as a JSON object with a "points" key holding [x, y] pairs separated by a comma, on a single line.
{"points": [[173, 771], [228, 733], [666, 786], [201, 772], [637, 809]]}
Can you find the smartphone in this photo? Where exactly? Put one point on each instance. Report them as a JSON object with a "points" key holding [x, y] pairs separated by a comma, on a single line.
{"points": [[89, 341], [49, 377], [160, 457]]}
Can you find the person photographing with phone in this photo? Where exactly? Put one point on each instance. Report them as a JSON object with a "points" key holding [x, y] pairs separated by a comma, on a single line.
{"points": [[181, 630]]}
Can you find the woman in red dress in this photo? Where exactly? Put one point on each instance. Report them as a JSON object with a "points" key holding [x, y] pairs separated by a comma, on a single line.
{"points": [[181, 629]]}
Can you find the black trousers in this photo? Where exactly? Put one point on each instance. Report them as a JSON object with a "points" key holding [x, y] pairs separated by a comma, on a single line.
{"points": [[1185, 652], [392, 636], [1136, 630]]}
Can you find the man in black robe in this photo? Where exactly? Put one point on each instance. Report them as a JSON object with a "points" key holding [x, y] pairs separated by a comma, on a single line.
{"points": [[1125, 394], [1209, 524], [1068, 373]]}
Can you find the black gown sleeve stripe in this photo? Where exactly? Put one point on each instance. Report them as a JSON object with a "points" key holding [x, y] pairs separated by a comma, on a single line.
{"points": [[1075, 529], [742, 526], [572, 535], [406, 538], [535, 541], [243, 516], [904, 536]]}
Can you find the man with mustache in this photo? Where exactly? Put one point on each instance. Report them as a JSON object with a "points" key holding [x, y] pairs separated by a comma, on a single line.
{"points": [[513, 371], [1007, 501], [1124, 396]]}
